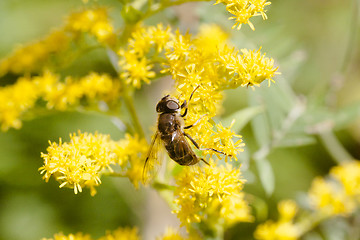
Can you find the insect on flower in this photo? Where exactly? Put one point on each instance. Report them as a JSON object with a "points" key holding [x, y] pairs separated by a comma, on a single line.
{"points": [[170, 132]]}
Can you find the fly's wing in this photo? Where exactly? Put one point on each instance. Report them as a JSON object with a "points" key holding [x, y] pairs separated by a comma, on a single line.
{"points": [[152, 162]]}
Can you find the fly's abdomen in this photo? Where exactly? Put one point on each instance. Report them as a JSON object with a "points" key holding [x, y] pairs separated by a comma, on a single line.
{"points": [[179, 149]]}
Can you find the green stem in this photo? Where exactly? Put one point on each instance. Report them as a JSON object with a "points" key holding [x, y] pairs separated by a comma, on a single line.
{"points": [[129, 102], [158, 8], [334, 147], [354, 22], [309, 222], [115, 174]]}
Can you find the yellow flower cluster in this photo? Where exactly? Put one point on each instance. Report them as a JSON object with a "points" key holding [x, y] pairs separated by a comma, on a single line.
{"points": [[205, 61], [284, 228], [122, 234], [94, 22], [243, 10], [172, 234], [80, 162], [133, 61], [131, 152], [35, 56], [339, 197], [77, 236], [63, 95], [211, 196], [126, 233], [18, 99]]}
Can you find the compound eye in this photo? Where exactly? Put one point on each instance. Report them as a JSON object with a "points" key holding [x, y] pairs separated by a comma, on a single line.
{"points": [[172, 105]]}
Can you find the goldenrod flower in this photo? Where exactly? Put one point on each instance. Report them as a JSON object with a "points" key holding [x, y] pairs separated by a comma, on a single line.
{"points": [[329, 198], [348, 175], [179, 47], [243, 10], [131, 152], [126, 233], [33, 56], [250, 68], [136, 70], [223, 140], [210, 38], [211, 195], [171, 234], [160, 36], [80, 162], [93, 21], [284, 228], [205, 60], [92, 87], [135, 65], [21, 97], [77, 236], [15, 100]]}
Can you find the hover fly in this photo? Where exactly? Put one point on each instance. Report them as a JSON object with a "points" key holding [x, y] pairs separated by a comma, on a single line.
{"points": [[170, 132]]}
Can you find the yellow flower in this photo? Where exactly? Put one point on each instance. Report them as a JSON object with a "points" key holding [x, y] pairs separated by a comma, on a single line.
{"points": [[330, 199], [63, 95], [15, 100], [276, 231], [79, 163], [126, 233], [210, 38], [284, 228], [140, 42], [287, 210], [250, 68], [179, 46], [349, 176], [33, 56], [211, 195], [222, 140], [131, 152], [243, 10], [171, 234], [159, 36], [93, 21], [136, 70], [134, 63], [77, 236]]}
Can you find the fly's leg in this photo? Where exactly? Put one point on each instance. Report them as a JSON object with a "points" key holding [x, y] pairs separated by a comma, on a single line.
{"points": [[203, 149], [185, 103], [197, 121]]}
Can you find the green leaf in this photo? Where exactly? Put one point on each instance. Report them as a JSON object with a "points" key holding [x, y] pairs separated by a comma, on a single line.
{"points": [[242, 117], [346, 115], [266, 175], [260, 123], [296, 140], [114, 59]]}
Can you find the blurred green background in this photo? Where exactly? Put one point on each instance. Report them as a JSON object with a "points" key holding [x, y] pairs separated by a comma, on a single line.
{"points": [[309, 41]]}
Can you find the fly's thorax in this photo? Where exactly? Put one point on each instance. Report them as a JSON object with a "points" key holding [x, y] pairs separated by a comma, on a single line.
{"points": [[170, 122]]}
